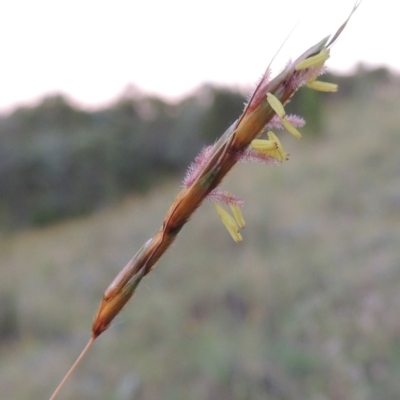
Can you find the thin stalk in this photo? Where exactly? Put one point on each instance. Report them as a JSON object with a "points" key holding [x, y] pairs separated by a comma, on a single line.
{"points": [[72, 369]]}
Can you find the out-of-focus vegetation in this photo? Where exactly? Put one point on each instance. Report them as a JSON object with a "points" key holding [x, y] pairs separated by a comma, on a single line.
{"points": [[58, 161], [305, 308]]}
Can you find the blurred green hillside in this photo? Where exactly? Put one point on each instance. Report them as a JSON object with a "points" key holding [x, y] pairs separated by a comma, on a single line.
{"points": [[58, 161], [307, 307]]}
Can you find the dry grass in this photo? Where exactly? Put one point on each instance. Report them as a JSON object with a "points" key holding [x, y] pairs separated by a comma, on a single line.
{"points": [[305, 308]]}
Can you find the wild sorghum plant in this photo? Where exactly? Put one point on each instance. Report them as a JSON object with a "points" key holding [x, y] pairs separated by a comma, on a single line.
{"points": [[249, 139]]}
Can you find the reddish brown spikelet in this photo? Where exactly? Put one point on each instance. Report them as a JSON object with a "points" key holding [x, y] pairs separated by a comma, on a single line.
{"points": [[210, 167]]}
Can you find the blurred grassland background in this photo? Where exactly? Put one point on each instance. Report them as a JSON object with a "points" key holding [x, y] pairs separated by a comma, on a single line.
{"points": [[307, 307]]}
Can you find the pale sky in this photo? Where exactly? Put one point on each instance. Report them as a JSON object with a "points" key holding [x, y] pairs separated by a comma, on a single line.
{"points": [[91, 50]]}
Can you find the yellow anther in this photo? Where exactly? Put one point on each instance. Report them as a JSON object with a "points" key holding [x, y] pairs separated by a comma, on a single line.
{"points": [[290, 128], [280, 154], [264, 146], [229, 222], [237, 213], [322, 86], [271, 147], [315, 61], [276, 105]]}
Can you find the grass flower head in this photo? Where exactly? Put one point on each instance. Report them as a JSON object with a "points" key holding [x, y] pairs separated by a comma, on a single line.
{"points": [[243, 141]]}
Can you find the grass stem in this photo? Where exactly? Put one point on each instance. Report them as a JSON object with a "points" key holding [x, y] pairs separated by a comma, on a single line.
{"points": [[72, 369]]}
